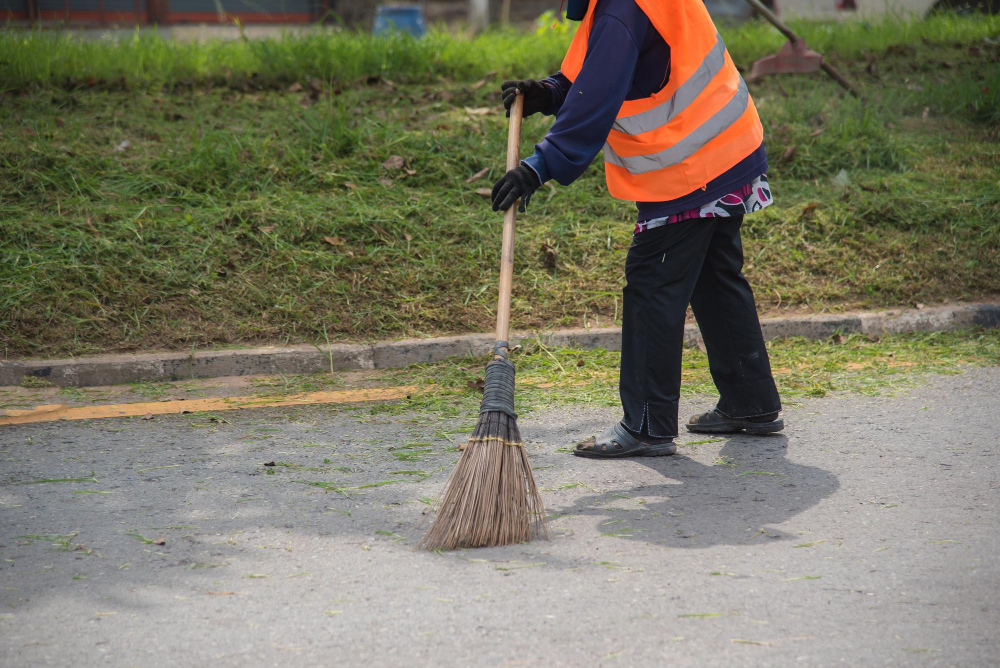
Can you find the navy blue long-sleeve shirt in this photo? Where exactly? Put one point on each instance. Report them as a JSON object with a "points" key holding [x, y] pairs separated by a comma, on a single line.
{"points": [[627, 59]]}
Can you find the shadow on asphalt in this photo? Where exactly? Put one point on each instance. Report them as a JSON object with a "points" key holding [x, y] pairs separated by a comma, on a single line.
{"points": [[200, 487], [750, 485]]}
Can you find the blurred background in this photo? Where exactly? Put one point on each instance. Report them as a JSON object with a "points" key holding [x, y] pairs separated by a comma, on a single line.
{"points": [[362, 13]]}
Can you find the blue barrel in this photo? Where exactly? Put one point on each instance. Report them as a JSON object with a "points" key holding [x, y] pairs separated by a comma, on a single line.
{"points": [[404, 18]]}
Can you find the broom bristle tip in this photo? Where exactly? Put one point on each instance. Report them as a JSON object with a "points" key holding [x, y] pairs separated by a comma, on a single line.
{"points": [[491, 498]]}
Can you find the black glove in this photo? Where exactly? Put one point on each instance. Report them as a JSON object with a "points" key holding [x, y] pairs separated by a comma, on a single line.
{"points": [[520, 182], [537, 96]]}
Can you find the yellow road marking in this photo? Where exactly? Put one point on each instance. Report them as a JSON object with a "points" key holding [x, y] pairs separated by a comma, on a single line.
{"points": [[54, 412]]}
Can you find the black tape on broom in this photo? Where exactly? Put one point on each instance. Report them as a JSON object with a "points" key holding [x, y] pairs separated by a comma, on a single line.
{"points": [[498, 391]]}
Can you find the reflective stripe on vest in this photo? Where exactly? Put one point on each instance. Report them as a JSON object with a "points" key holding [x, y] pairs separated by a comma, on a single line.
{"points": [[691, 144], [659, 115]]}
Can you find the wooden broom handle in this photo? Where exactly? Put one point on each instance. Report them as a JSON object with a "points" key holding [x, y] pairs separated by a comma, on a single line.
{"points": [[509, 218]]}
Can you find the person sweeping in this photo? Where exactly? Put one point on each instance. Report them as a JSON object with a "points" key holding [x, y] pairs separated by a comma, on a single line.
{"points": [[651, 82]]}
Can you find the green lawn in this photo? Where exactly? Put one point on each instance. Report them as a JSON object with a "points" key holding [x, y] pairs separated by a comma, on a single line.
{"points": [[250, 202]]}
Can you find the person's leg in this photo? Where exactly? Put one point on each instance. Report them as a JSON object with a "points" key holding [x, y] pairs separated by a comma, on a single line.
{"points": [[723, 304], [661, 271]]}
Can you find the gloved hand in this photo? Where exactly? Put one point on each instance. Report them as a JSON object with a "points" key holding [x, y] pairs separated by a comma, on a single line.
{"points": [[537, 96], [520, 182]]}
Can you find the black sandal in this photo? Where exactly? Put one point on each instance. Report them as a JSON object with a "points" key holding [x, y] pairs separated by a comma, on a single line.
{"points": [[616, 442], [714, 422]]}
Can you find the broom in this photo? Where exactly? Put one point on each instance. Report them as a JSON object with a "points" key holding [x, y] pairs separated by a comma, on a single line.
{"points": [[491, 498]]}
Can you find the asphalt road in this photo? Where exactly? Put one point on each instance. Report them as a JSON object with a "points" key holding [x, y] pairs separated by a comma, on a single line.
{"points": [[866, 534]]}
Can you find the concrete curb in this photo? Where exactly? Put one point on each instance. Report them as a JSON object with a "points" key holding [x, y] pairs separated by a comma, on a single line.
{"points": [[130, 368]]}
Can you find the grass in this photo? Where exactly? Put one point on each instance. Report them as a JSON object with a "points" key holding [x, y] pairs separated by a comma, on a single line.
{"points": [[147, 60], [549, 377], [91, 478], [802, 368], [30, 58], [62, 543], [704, 615], [343, 491], [249, 201], [146, 541]]}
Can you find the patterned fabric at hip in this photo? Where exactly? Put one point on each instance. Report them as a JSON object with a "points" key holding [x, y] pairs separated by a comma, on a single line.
{"points": [[754, 196]]}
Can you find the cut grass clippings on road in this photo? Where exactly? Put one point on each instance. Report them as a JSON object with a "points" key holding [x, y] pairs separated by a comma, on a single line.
{"points": [[705, 615], [813, 544], [48, 480], [802, 368], [703, 442], [163, 195], [146, 541], [343, 491], [513, 566], [555, 377], [63, 543]]}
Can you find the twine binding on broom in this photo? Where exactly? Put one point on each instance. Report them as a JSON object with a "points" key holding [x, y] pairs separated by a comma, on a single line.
{"points": [[491, 439]]}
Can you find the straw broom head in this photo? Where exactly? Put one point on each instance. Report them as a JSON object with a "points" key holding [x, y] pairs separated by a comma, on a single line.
{"points": [[490, 498]]}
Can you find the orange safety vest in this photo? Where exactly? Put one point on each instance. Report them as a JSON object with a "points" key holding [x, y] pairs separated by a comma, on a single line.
{"points": [[701, 124]]}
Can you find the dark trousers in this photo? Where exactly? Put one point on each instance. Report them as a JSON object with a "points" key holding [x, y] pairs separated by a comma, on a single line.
{"points": [[700, 262]]}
